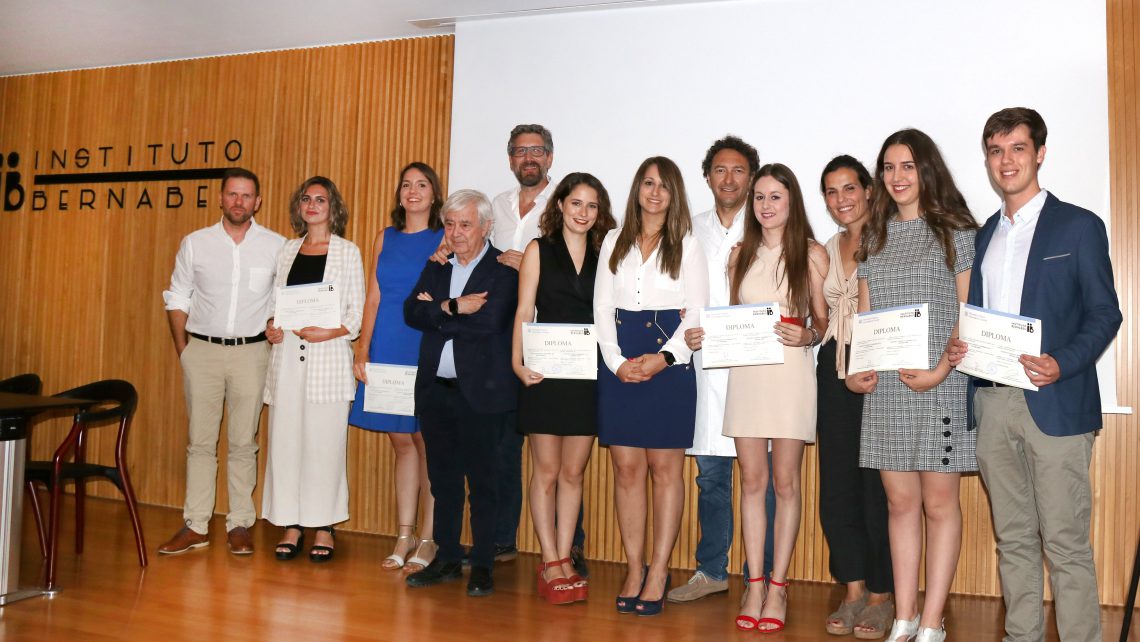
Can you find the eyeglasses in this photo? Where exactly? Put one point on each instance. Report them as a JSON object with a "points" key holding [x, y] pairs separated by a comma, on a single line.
{"points": [[534, 151]]}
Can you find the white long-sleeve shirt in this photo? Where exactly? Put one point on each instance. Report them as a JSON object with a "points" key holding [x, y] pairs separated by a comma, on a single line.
{"points": [[225, 287], [717, 242], [642, 286], [511, 231]]}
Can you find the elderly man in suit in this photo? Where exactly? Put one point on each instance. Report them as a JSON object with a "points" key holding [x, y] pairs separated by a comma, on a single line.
{"points": [[464, 386], [1042, 258]]}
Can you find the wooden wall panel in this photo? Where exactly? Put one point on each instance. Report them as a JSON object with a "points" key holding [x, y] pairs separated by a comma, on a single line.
{"points": [[83, 287]]}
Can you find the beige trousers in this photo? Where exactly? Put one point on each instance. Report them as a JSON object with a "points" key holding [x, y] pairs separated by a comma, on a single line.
{"points": [[212, 375], [1041, 498]]}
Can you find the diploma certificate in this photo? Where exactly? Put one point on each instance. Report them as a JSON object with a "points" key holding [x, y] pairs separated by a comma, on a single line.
{"points": [[997, 340], [390, 390], [311, 305], [741, 335], [561, 350], [890, 339]]}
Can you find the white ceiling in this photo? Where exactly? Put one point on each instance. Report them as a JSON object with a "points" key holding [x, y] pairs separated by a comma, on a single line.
{"points": [[52, 35]]}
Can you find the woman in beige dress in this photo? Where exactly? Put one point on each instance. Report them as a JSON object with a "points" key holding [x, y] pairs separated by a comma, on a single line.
{"points": [[778, 260]]}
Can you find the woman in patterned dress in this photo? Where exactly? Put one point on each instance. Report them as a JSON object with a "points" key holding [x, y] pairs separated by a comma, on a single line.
{"points": [[918, 247]]}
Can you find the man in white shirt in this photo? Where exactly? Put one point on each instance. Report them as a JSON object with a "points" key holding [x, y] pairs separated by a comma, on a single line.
{"points": [[1046, 259], [728, 167], [218, 306], [530, 153]]}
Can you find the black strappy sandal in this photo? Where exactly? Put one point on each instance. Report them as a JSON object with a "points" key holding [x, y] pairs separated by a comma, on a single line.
{"points": [[320, 554], [290, 550]]}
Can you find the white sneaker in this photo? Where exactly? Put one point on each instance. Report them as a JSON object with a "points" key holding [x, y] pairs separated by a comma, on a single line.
{"points": [[699, 585]]}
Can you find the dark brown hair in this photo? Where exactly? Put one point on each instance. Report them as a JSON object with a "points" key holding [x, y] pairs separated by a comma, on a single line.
{"points": [[338, 211], [796, 242], [735, 144], [1006, 120], [942, 205], [241, 172], [399, 217], [678, 221], [551, 222], [845, 162]]}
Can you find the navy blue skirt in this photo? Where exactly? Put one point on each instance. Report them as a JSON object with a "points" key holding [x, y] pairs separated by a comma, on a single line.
{"points": [[659, 413]]}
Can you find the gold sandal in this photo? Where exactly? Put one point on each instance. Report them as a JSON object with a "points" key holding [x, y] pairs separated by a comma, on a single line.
{"points": [[421, 560], [395, 560]]}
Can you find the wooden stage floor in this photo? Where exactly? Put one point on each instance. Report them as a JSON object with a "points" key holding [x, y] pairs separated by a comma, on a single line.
{"points": [[209, 594]]}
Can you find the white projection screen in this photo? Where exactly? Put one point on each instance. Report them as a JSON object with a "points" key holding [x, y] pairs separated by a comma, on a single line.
{"points": [[802, 80]]}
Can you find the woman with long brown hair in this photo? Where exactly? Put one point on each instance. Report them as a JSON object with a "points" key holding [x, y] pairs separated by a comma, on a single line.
{"points": [[651, 273], [774, 405], [918, 247], [398, 256], [556, 285]]}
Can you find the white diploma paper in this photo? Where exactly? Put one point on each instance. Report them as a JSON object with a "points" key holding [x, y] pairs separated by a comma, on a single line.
{"points": [[741, 335], [390, 390], [890, 339], [311, 305], [561, 350], [997, 340]]}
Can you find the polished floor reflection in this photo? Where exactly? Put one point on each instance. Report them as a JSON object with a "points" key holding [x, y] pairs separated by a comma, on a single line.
{"points": [[209, 594]]}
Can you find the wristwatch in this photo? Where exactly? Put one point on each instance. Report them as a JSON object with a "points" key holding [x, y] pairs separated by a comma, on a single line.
{"points": [[669, 358], [453, 306]]}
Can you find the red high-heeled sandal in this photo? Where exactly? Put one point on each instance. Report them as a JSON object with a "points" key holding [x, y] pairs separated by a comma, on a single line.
{"points": [[778, 623], [747, 622], [581, 586], [559, 590]]}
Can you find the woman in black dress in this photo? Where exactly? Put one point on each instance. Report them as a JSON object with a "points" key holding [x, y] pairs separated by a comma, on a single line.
{"points": [[556, 285]]}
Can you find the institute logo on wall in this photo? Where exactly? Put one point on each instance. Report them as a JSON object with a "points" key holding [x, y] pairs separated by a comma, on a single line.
{"points": [[79, 178]]}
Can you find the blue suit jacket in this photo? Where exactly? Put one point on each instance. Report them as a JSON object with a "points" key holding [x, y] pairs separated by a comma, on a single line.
{"points": [[482, 341], [1068, 285]]}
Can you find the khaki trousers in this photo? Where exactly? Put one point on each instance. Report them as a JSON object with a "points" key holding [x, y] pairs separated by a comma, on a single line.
{"points": [[1041, 498], [212, 375]]}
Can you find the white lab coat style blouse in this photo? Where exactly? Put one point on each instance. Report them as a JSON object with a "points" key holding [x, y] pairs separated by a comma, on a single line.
{"points": [[643, 286]]}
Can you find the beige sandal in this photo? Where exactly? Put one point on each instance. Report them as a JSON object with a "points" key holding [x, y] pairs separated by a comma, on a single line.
{"points": [[395, 560], [845, 616], [421, 559], [875, 618]]}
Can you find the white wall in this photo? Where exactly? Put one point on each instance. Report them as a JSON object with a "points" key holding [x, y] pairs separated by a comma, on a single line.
{"points": [[802, 80]]}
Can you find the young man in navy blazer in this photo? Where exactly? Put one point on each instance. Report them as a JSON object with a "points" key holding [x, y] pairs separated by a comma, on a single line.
{"points": [[1042, 258], [464, 385]]}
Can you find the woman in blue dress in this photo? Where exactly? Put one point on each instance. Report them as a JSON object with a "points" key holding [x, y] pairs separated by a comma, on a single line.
{"points": [[399, 254]]}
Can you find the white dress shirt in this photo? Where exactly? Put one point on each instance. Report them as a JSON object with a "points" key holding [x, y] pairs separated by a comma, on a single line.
{"points": [[641, 286], [712, 385], [1003, 268], [225, 287], [512, 232]]}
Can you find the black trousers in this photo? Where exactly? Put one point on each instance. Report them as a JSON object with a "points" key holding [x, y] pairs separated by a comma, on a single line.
{"points": [[461, 446], [852, 503]]}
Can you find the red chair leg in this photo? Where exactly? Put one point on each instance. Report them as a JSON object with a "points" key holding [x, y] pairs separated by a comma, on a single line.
{"points": [[80, 490], [132, 508], [38, 515]]}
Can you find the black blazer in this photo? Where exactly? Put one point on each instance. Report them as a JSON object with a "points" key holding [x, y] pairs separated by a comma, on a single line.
{"points": [[482, 341], [1068, 285]]}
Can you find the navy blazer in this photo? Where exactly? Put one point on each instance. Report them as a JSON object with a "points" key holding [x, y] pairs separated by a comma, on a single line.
{"points": [[1068, 285], [482, 341]]}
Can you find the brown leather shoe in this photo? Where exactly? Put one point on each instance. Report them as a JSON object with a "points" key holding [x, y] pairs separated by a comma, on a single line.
{"points": [[184, 540], [239, 540]]}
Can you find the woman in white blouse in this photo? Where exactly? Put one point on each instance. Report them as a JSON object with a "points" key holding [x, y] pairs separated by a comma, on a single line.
{"points": [[310, 385], [651, 282]]}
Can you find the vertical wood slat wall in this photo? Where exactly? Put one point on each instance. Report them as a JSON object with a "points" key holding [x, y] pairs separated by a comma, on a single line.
{"points": [[82, 288]]}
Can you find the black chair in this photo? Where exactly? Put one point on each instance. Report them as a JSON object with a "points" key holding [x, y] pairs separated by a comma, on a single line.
{"points": [[118, 400], [25, 384]]}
